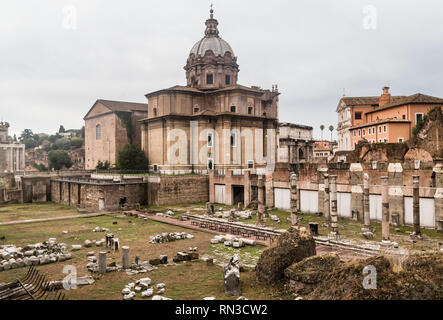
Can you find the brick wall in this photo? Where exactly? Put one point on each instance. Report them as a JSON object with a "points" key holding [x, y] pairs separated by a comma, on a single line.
{"points": [[179, 189]]}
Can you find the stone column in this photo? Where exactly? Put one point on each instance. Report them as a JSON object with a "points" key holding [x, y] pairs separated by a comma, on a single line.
{"points": [[260, 206], [294, 199], [395, 193], [356, 175], [385, 209], [326, 201], [416, 204], [102, 262], [334, 217], [438, 197], [366, 211], [269, 189], [321, 189], [125, 257]]}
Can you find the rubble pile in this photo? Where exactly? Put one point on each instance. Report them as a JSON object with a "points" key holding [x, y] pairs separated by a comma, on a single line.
{"points": [[243, 214], [33, 254], [98, 229], [230, 240], [291, 246], [186, 256], [143, 286], [328, 278], [168, 237]]}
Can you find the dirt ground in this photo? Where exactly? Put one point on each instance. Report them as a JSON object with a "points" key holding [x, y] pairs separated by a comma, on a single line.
{"points": [[192, 280]]}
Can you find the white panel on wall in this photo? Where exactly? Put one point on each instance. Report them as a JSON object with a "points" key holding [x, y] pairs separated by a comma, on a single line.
{"points": [[308, 201], [427, 212], [344, 204], [375, 207], [282, 198], [220, 193]]}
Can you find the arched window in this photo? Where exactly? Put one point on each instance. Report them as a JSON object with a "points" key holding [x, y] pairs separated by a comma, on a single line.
{"points": [[98, 132], [155, 112], [196, 109], [233, 108], [250, 109]]}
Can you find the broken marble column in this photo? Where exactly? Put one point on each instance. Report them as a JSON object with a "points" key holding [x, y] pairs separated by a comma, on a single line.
{"points": [[334, 216], [125, 257], [366, 211], [294, 199], [102, 262], [385, 209], [209, 208], [260, 199], [416, 204], [326, 202], [232, 277]]}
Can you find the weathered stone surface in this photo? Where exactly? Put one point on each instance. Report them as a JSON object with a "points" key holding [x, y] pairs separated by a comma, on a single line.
{"points": [[147, 293], [163, 259], [292, 246], [232, 277], [155, 262]]}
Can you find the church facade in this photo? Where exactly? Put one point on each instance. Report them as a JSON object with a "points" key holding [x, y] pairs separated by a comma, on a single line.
{"points": [[211, 123]]}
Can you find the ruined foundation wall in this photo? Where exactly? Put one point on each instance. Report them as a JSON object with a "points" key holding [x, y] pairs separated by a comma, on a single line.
{"points": [[178, 189]]}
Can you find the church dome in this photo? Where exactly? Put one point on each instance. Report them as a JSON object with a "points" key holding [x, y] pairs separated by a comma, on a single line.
{"points": [[211, 41], [211, 71], [216, 44]]}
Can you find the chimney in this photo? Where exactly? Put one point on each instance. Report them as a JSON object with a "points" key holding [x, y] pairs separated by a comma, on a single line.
{"points": [[385, 98]]}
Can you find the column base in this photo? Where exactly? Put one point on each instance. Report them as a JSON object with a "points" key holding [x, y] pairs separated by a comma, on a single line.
{"points": [[333, 236]]}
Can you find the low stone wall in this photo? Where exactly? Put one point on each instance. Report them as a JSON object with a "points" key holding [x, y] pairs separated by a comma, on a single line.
{"points": [[98, 196], [178, 189], [36, 189], [12, 196]]}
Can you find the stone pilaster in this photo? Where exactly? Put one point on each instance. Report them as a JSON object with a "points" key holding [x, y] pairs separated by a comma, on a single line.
{"points": [[396, 202], [356, 177]]}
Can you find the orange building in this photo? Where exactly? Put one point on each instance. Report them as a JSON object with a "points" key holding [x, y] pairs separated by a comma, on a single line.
{"points": [[383, 119]]}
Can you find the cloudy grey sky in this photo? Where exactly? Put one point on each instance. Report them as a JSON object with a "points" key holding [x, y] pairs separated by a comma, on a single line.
{"points": [[51, 73]]}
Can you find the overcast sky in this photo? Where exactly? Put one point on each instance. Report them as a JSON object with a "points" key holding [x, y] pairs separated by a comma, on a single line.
{"points": [[57, 57]]}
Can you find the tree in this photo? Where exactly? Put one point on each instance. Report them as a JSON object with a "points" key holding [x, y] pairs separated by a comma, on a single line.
{"points": [[40, 167], [322, 127], [15, 138], [331, 128], [131, 157], [61, 129], [77, 142], [46, 145], [59, 159], [30, 143], [26, 134], [103, 165], [63, 143]]}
